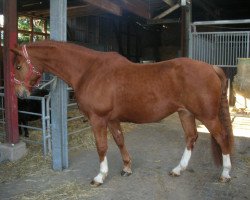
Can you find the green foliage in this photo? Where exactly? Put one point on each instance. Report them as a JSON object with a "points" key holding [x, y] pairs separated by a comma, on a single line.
{"points": [[24, 24]]}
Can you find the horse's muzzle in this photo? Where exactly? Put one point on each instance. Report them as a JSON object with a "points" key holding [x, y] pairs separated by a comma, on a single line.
{"points": [[22, 93]]}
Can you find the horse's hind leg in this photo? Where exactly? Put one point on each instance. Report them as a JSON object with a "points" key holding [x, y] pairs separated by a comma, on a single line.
{"points": [[99, 128], [115, 129], [221, 146], [189, 126]]}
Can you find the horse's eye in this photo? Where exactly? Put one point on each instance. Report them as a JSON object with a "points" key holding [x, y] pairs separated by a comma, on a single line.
{"points": [[18, 67]]}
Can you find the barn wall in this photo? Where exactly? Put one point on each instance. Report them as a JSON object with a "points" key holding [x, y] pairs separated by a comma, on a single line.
{"points": [[170, 42], [127, 35]]}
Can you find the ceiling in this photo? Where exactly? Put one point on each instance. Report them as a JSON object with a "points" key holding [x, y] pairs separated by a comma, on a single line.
{"points": [[148, 9]]}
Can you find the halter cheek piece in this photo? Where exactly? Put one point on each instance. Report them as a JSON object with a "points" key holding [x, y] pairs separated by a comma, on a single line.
{"points": [[32, 70]]}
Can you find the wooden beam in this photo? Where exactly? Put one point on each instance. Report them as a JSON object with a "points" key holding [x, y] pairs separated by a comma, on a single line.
{"points": [[84, 11], [165, 13], [137, 7], [106, 5], [162, 21], [71, 11], [169, 2], [10, 99]]}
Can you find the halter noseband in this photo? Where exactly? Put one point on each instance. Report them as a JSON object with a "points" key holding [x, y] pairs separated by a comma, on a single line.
{"points": [[32, 70]]}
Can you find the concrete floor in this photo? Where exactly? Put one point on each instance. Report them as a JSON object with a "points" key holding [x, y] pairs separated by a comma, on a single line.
{"points": [[155, 150]]}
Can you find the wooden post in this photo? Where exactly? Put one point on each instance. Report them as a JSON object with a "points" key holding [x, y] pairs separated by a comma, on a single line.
{"points": [[10, 100], [58, 19], [186, 18]]}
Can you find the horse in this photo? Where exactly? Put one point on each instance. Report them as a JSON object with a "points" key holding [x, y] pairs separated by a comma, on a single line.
{"points": [[110, 89], [30, 105]]}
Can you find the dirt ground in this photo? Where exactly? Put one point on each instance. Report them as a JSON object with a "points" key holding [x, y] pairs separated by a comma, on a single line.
{"points": [[155, 150]]}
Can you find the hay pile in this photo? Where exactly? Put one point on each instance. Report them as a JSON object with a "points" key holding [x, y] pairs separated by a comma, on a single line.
{"points": [[69, 190], [34, 163], [241, 82]]}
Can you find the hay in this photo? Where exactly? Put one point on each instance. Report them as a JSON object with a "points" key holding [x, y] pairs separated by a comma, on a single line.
{"points": [[241, 86], [69, 190], [34, 163]]}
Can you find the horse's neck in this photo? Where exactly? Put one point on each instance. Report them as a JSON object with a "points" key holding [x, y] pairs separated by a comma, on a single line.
{"points": [[65, 64]]}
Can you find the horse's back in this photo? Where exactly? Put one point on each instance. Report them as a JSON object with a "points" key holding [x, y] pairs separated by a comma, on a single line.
{"points": [[149, 92]]}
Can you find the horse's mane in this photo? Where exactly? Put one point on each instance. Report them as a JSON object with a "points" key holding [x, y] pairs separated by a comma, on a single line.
{"points": [[70, 45]]}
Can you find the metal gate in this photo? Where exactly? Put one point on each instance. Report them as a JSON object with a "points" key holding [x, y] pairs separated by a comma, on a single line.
{"points": [[219, 48]]}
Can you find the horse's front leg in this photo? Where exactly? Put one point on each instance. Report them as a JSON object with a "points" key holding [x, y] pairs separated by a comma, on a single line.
{"points": [[115, 129], [99, 127]]}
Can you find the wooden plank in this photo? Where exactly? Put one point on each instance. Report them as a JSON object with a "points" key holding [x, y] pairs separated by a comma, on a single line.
{"points": [[165, 13], [85, 11], [162, 21], [137, 7], [106, 5], [169, 2], [10, 100]]}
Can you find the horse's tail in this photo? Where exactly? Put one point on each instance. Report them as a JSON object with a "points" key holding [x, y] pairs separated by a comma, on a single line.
{"points": [[225, 119]]}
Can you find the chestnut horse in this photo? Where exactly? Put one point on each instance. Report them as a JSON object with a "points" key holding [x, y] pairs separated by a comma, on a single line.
{"points": [[110, 89]]}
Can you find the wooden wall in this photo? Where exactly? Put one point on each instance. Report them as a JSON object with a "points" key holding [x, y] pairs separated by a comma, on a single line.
{"points": [[127, 35]]}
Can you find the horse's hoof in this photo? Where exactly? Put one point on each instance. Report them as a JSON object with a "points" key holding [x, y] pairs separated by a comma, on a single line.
{"points": [[125, 174], [95, 184], [224, 179], [173, 174]]}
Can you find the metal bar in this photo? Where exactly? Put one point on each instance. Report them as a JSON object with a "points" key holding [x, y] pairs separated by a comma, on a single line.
{"points": [[203, 23], [199, 48], [212, 49], [44, 127], [30, 127], [10, 100], [231, 50], [226, 46], [216, 50], [237, 46], [48, 128], [223, 49], [248, 44], [73, 132], [241, 45], [30, 113], [74, 118], [58, 18]]}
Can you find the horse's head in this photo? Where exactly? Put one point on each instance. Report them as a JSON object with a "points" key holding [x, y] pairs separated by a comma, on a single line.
{"points": [[25, 75]]}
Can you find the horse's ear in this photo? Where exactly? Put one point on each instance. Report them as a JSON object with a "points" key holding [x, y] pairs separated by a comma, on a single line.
{"points": [[16, 51]]}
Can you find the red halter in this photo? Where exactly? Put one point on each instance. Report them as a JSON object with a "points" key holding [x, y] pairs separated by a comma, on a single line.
{"points": [[32, 70]]}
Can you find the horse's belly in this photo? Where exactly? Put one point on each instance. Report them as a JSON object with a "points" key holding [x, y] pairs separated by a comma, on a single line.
{"points": [[146, 114]]}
